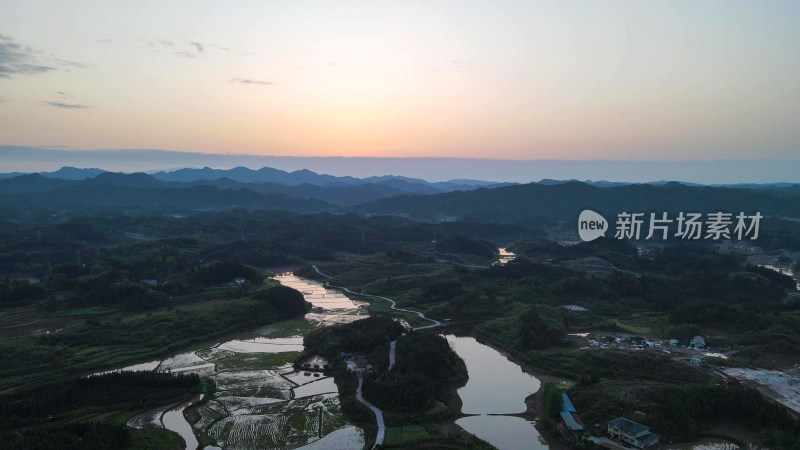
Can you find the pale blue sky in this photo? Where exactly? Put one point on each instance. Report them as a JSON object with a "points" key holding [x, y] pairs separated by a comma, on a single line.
{"points": [[631, 80]]}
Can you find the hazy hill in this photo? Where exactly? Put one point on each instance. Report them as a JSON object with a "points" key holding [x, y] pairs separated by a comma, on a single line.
{"points": [[86, 196], [344, 195], [72, 173], [516, 204], [343, 191], [300, 177]]}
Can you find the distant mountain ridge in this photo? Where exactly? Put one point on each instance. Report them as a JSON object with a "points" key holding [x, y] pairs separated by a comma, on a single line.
{"points": [[516, 204], [527, 203], [268, 175]]}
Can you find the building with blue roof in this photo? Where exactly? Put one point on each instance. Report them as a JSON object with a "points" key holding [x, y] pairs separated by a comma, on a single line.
{"points": [[566, 404], [567, 409]]}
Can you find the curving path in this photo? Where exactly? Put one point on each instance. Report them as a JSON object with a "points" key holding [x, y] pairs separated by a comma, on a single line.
{"points": [[393, 303], [392, 346], [378, 413]]}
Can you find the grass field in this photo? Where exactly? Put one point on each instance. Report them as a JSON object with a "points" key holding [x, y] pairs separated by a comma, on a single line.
{"points": [[399, 435], [155, 439]]}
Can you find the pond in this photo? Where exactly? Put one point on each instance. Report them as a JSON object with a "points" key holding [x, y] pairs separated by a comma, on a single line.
{"points": [[505, 255], [496, 386]]}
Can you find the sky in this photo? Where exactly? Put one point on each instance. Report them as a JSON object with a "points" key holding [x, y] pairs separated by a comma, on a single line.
{"points": [[511, 80]]}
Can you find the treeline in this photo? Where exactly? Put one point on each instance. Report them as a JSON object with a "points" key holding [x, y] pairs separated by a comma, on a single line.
{"points": [[684, 412], [425, 368], [537, 332], [113, 282], [70, 436], [178, 328], [28, 404], [284, 299], [219, 272], [19, 292], [361, 336], [462, 245], [785, 281], [619, 252]]}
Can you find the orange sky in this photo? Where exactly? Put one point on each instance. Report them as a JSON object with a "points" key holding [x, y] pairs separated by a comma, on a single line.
{"points": [[514, 79]]}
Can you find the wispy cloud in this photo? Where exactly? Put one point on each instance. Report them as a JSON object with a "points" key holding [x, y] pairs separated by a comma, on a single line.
{"points": [[16, 59], [159, 44], [65, 63], [65, 105], [190, 49], [249, 81]]}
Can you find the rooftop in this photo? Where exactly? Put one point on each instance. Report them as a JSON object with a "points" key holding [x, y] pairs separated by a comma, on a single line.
{"points": [[570, 421], [567, 404], [628, 426]]}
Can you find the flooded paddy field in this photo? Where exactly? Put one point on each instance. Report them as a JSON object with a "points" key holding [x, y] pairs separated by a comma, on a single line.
{"points": [[784, 387], [261, 401]]}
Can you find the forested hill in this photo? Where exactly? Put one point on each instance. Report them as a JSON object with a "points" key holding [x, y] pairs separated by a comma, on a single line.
{"points": [[521, 203], [130, 192]]}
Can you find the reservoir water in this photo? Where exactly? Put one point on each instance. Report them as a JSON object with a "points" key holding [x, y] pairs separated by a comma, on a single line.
{"points": [[496, 386]]}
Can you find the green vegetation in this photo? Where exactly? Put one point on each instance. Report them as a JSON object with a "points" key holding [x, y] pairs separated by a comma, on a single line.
{"points": [[432, 440], [553, 401], [362, 336], [99, 343], [90, 412], [155, 439], [23, 406], [426, 367], [71, 436], [682, 412], [123, 287], [405, 434], [254, 361]]}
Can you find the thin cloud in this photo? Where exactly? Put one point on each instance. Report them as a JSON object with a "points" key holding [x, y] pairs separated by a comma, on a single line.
{"points": [[65, 63], [249, 81], [66, 105], [16, 59], [159, 43], [186, 54]]}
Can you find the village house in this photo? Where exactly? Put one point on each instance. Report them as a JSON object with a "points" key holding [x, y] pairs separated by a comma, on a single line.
{"points": [[697, 342], [632, 433]]}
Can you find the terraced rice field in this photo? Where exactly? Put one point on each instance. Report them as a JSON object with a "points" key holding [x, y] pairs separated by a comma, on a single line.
{"points": [[260, 400]]}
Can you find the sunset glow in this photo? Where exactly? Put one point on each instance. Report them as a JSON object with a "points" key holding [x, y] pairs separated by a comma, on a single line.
{"points": [[512, 80]]}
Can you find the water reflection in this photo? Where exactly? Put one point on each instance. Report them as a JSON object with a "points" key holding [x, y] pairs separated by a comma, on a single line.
{"points": [[495, 386], [173, 420], [504, 255], [504, 432], [261, 401]]}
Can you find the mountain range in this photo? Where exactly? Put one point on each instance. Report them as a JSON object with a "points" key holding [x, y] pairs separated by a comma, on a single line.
{"points": [[307, 191]]}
